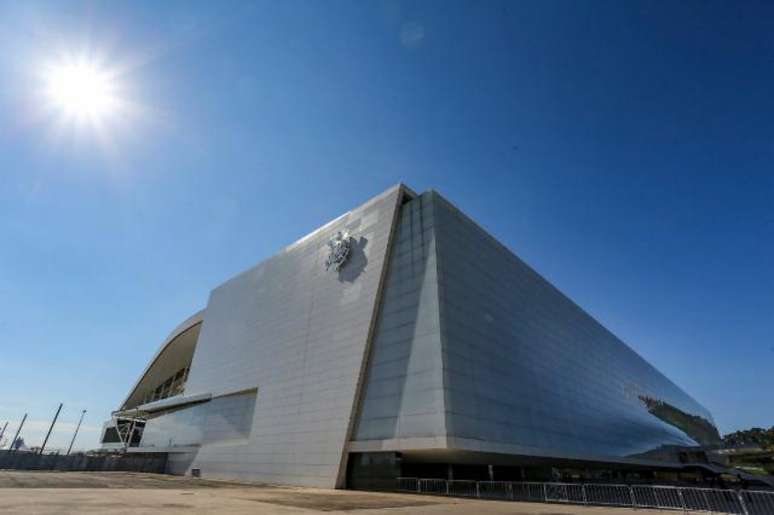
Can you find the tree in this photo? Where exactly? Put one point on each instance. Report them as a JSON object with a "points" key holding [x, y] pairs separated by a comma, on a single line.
{"points": [[753, 437]]}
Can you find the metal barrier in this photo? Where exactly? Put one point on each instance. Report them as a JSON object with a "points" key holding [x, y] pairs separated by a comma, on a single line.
{"points": [[709, 500], [434, 486], [528, 492], [408, 484], [463, 488], [612, 495], [757, 502], [495, 490]]}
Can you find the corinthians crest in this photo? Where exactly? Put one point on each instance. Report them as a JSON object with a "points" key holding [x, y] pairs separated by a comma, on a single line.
{"points": [[338, 250]]}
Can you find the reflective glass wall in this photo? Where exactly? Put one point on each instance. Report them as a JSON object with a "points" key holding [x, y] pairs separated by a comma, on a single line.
{"points": [[526, 369]]}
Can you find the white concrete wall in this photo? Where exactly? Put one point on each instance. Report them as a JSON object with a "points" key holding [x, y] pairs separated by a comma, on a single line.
{"points": [[298, 334]]}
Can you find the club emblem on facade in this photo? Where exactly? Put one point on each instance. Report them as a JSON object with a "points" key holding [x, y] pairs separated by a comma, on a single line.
{"points": [[338, 250]]}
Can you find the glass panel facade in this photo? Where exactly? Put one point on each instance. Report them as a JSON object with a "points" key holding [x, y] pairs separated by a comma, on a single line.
{"points": [[221, 419], [525, 366], [473, 345]]}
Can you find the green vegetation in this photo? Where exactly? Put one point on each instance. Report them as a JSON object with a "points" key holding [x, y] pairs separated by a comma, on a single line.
{"points": [[752, 450], [755, 437]]}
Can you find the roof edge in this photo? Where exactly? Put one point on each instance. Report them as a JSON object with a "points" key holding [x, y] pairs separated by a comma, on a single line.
{"points": [[185, 325]]}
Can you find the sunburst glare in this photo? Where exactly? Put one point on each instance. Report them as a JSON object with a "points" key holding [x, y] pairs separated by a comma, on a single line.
{"points": [[81, 91]]}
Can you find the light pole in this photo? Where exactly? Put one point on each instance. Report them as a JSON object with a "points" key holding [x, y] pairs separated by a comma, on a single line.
{"points": [[13, 442], [45, 441], [76, 433]]}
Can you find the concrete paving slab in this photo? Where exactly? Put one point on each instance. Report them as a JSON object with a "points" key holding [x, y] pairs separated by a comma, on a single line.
{"points": [[118, 493]]}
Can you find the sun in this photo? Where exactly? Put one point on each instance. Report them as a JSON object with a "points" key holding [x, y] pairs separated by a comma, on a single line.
{"points": [[81, 90]]}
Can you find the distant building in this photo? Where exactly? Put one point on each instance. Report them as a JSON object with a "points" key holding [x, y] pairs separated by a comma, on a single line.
{"points": [[402, 339], [19, 445]]}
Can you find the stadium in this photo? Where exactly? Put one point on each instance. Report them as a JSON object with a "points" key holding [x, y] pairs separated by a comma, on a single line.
{"points": [[401, 339]]}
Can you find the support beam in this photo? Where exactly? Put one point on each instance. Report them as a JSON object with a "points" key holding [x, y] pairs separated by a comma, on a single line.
{"points": [[45, 440], [13, 442], [76, 433]]}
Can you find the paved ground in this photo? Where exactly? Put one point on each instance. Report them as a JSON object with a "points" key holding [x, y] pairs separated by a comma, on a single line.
{"points": [[113, 493]]}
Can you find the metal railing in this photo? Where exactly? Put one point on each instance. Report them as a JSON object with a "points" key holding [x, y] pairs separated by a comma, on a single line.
{"points": [[709, 500]]}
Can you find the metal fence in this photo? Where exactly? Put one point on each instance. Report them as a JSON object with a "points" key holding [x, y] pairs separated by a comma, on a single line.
{"points": [[709, 500]]}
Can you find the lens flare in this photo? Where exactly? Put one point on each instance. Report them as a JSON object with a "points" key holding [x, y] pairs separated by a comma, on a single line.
{"points": [[81, 90]]}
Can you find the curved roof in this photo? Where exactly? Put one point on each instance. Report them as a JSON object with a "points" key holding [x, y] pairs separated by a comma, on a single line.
{"points": [[175, 352]]}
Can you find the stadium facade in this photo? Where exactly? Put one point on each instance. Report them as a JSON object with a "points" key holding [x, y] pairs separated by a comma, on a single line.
{"points": [[401, 339]]}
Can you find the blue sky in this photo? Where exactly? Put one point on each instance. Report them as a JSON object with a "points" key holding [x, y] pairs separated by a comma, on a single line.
{"points": [[625, 150]]}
